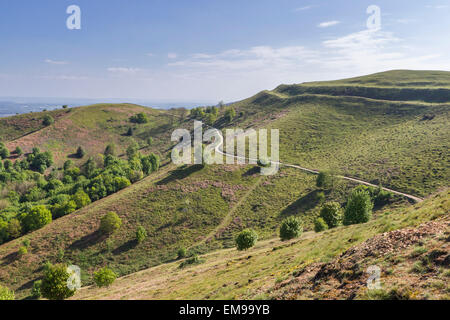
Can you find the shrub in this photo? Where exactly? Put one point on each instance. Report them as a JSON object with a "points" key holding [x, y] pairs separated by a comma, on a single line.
{"points": [[139, 118], [320, 225], [4, 153], [22, 251], [191, 261], [320, 197], [246, 239], [110, 223], [230, 114], [48, 120], [36, 218], [6, 294], [110, 150], [359, 208], [81, 199], [104, 277], [291, 228], [54, 284], [14, 229], [141, 234], [331, 213], [181, 253], [18, 151], [325, 180], [36, 289], [26, 243]]}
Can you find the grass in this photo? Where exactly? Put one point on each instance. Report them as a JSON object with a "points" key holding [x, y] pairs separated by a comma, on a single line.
{"points": [[231, 274]]}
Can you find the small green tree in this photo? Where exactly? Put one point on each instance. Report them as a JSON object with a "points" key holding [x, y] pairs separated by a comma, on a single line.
{"points": [[18, 151], [246, 239], [331, 213], [22, 251], [36, 289], [6, 294], [14, 229], [359, 208], [81, 199], [230, 114], [48, 120], [110, 150], [54, 284], [130, 132], [4, 153], [104, 277], [141, 234], [181, 253], [291, 228], [110, 223], [36, 218], [324, 180], [320, 225]]}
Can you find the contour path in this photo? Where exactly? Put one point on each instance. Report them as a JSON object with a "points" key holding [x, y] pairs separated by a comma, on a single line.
{"points": [[409, 196]]}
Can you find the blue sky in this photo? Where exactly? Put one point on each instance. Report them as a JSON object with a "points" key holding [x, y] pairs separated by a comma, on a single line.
{"points": [[209, 50]]}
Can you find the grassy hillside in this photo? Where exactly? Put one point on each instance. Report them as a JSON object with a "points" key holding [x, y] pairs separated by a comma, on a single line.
{"points": [[399, 144], [314, 266]]}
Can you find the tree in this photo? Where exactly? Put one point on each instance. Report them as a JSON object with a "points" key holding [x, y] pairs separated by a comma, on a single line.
{"points": [[80, 153], [81, 199], [132, 150], [18, 151], [359, 208], [110, 150], [141, 234], [325, 180], [291, 228], [36, 218], [230, 114], [181, 253], [110, 223], [48, 120], [139, 118], [246, 239], [36, 289], [320, 225], [4, 153], [130, 132], [104, 277], [14, 229], [331, 213], [149, 141], [6, 294], [54, 284]]}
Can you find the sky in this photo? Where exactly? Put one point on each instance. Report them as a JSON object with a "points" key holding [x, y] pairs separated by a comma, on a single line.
{"points": [[209, 50]]}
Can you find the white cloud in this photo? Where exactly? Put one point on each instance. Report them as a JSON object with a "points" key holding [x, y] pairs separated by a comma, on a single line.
{"points": [[303, 8], [438, 6], [50, 61], [123, 70], [327, 24], [172, 55], [150, 54]]}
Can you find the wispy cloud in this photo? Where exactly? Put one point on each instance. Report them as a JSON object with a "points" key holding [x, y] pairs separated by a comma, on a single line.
{"points": [[438, 6], [304, 8], [327, 24], [50, 61], [123, 70], [172, 55]]}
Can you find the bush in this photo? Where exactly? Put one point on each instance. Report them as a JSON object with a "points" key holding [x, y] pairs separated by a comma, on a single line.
{"points": [[110, 150], [291, 228], [48, 120], [22, 251], [6, 294], [36, 218], [320, 225], [191, 261], [246, 239], [139, 118], [54, 284], [14, 229], [181, 253], [36, 289], [18, 151], [81, 199], [104, 277], [331, 213], [4, 153], [325, 180], [359, 208], [110, 223], [141, 234]]}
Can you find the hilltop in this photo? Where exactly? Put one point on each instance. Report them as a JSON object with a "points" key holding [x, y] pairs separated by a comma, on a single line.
{"points": [[398, 141]]}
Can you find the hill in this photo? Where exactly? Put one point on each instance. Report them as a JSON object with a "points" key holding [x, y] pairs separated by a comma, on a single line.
{"points": [[414, 263], [399, 144]]}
